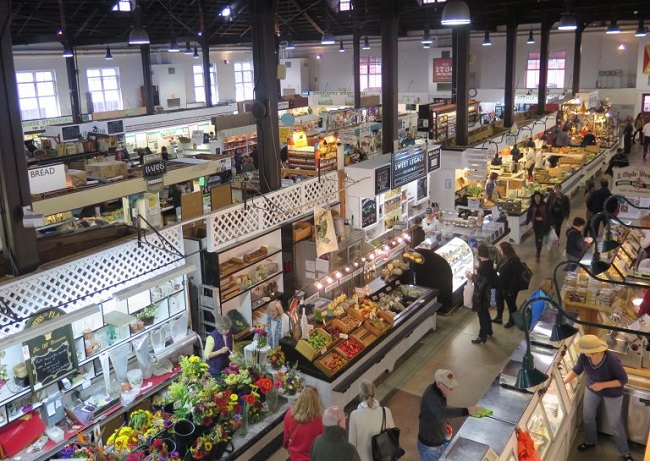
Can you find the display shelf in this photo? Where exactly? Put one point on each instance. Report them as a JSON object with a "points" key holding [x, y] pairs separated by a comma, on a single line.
{"points": [[553, 406], [460, 258], [271, 252], [15, 396], [223, 300], [539, 430], [67, 158]]}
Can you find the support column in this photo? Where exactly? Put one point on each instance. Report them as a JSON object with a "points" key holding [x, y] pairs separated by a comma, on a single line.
{"points": [[462, 87], [18, 243], [389, 29], [145, 57], [73, 88], [207, 75], [454, 64], [543, 66], [265, 65], [577, 58], [356, 62], [511, 59]]}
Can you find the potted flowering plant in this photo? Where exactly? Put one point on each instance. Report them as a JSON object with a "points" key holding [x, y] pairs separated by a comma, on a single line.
{"points": [[276, 357], [260, 336], [148, 314]]}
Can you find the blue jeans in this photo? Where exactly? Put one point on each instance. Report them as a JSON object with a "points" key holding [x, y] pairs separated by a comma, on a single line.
{"points": [[613, 406], [430, 453]]}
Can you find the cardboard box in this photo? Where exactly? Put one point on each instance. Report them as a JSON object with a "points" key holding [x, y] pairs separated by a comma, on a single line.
{"points": [[107, 169], [75, 178]]}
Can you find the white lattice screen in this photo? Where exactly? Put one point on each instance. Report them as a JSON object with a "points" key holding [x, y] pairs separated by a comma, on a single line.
{"points": [[90, 279], [93, 279]]}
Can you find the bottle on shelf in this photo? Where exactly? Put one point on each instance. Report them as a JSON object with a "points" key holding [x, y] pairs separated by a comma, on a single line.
{"points": [[304, 325]]}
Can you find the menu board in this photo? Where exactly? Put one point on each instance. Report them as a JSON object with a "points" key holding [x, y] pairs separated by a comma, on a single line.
{"points": [[50, 356], [382, 179], [407, 166], [433, 157], [368, 212]]}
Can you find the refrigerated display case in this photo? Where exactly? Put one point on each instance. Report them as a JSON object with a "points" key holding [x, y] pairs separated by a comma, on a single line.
{"points": [[553, 405], [460, 258], [539, 429]]}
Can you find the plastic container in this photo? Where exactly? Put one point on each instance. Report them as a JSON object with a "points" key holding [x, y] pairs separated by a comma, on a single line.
{"points": [[55, 434], [135, 378]]}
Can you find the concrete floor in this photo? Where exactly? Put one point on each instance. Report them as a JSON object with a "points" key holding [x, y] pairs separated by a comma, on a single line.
{"points": [[476, 366]]}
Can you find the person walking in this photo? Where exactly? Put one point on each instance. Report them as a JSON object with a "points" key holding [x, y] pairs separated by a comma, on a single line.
{"points": [[559, 207], [646, 139], [596, 202], [508, 286], [638, 128], [302, 424], [628, 133], [434, 432], [589, 189], [576, 243], [606, 379], [332, 444], [366, 421], [484, 280], [539, 216]]}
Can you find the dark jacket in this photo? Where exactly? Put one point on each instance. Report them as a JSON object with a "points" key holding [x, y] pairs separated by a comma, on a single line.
{"points": [[596, 200], [575, 244], [486, 269], [333, 445], [484, 280], [434, 413], [534, 210], [559, 205], [509, 275], [417, 236], [589, 140], [218, 363]]}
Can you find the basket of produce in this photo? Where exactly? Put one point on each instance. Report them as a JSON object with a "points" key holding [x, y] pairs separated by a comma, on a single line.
{"points": [[316, 344], [379, 323], [349, 348], [331, 362], [256, 255]]}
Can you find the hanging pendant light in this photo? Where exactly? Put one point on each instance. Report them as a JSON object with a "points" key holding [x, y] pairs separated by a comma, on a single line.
{"points": [[531, 39], [567, 22], [486, 40], [188, 49], [640, 31], [327, 39], [366, 44], [67, 52], [426, 38], [109, 55], [138, 35], [426, 46], [613, 28], [455, 13], [196, 53], [290, 45], [173, 46]]}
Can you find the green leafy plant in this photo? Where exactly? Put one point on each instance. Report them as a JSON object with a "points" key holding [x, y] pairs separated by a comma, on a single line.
{"points": [[474, 191], [148, 312]]}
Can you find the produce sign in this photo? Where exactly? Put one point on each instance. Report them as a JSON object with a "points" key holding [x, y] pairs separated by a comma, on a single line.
{"points": [[51, 356], [407, 166]]}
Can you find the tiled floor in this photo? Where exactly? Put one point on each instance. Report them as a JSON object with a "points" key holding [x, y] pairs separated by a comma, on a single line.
{"points": [[476, 366]]}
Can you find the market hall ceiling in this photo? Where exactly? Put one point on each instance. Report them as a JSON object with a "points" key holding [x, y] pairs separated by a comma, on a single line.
{"points": [[93, 22]]}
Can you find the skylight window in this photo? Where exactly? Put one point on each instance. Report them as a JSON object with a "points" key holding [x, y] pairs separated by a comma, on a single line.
{"points": [[123, 5], [345, 5]]}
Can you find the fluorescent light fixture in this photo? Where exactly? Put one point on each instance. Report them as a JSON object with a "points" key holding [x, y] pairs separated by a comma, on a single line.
{"points": [[426, 38], [640, 31], [109, 55], [327, 39], [66, 319], [531, 39], [620, 47], [455, 13], [67, 52], [341, 47], [154, 282], [426, 46], [188, 49], [567, 22], [290, 45], [226, 11], [173, 46], [366, 44], [613, 28], [138, 36], [486, 40], [196, 53], [319, 56]]}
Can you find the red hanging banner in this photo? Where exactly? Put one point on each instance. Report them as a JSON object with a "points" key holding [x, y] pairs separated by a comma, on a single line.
{"points": [[442, 69]]}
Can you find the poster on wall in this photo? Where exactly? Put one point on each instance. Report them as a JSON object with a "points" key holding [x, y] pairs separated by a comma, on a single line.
{"points": [[433, 159], [442, 70], [326, 241], [646, 60], [368, 212], [421, 189], [382, 179], [631, 182]]}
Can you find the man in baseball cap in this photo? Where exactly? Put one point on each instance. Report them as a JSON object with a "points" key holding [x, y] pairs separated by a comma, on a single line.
{"points": [[434, 431]]}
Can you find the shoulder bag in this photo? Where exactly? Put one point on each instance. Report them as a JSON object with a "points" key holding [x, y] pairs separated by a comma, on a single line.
{"points": [[385, 445]]}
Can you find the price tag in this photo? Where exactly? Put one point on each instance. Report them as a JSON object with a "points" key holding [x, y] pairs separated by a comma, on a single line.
{"points": [[357, 272], [26, 352], [343, 336], [323, 350], [331, 287], [345, 278]]}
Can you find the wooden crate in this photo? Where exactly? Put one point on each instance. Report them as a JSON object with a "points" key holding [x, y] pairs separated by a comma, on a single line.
{"points": [[301, 230], [372, 327], [329, 356], [350, 322], [340, 350], [364, 336], [305, 348]]}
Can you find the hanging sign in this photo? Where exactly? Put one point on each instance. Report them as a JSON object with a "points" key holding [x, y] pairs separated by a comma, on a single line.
{"points": [[407, 166], [368, 212], [153, 171], [631, 182], [382, 179], [49, 357], [442, 70], [325, 236], [433, 157]]}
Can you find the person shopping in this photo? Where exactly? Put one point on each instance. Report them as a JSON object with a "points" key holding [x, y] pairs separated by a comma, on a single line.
{"points": [[559, 207], [538, 214], [606, 379], [638, 128], [484, 280], [302, 424], [218, 346], [277, 324], [366, 421], [508, 283]]}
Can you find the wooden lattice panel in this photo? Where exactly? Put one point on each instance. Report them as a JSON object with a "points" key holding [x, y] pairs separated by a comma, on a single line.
{"points": [[89, 280], [282, 206]]}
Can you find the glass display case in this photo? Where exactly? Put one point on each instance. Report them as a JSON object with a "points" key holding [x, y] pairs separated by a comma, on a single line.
{"points": [[552, 403], [564, 367], [538, 428], [460, 258]]}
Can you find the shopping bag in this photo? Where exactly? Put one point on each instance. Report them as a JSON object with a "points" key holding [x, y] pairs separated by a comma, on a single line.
{"points": [[468, 292], [385, 445], [18, 434], [526, 447], [553, 240], [547, 236]]}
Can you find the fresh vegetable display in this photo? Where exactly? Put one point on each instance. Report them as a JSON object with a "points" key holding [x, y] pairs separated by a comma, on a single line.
{"points": [[334, 361], [350, 348], [317, 341]]}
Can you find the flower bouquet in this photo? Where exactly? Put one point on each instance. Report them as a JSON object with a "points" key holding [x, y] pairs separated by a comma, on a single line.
{"points": [[260, 336], [291, 380], [276, 357], [202, 447], [123, 440]]}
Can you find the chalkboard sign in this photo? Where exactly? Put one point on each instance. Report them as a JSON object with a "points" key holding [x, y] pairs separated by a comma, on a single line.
{"points": [[115, 126], [407, 166], [70, 133], [49, 357], [368, 212], [382, 179], [433, 162]]}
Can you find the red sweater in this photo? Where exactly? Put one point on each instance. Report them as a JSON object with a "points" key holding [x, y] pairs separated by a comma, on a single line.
{"points": [[302, 436]]}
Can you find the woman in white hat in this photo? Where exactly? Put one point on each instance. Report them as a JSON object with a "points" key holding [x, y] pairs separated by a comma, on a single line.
{"points": [[605, 380]]}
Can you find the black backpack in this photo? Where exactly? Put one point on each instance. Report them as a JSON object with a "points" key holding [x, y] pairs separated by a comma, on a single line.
{"points": [[524, 278]]}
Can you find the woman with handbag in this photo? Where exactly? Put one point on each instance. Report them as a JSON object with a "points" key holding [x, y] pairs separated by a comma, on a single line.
{"points": [[508, 286], [366, 421], [538, 214], [302, 424]]}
